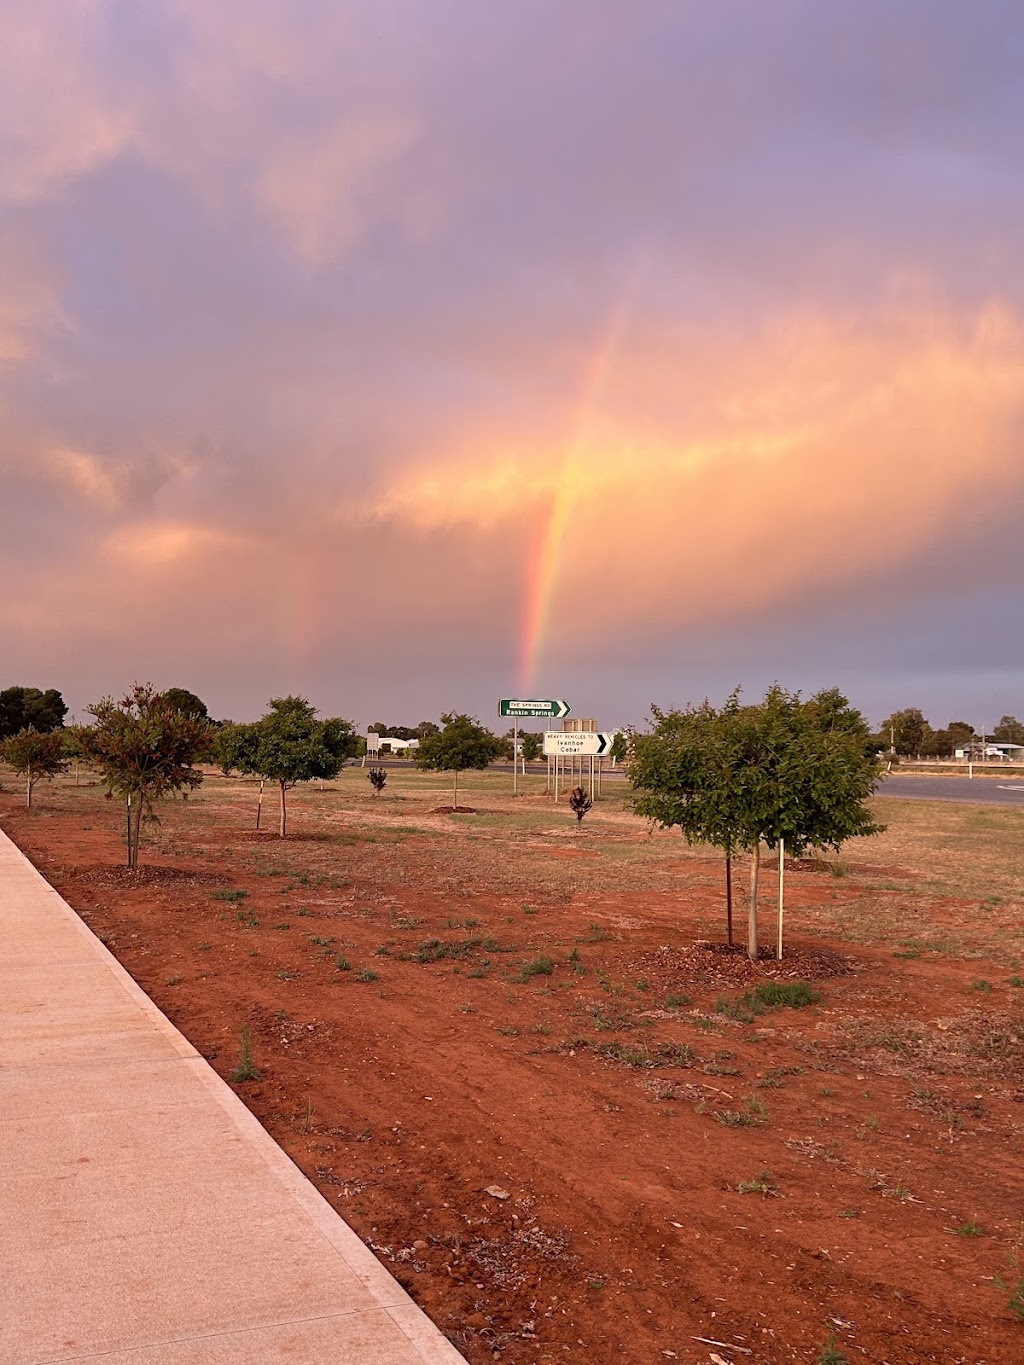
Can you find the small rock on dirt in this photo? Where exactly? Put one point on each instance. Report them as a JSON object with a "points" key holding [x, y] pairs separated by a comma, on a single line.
{"points": [[496, 1192]]}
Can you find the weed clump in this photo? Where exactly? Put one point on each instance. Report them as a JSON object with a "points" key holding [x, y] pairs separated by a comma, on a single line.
{"points": [[538, 966], [762, 1184], [1014, 1290], [970, 1228], [246, 1070], [769, 995], [437, 949], [830, 1354], [752, 1115], [641, 1056]]}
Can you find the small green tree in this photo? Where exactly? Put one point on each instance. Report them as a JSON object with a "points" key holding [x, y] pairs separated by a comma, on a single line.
{"points": [[619, 751], [75, 739], [683, 774], [33, 756], [234, 748], [531, 746], [146, 750], [462, 744], [288, 745]]}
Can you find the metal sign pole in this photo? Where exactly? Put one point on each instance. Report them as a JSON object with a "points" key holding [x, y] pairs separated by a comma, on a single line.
{"points": [[515, 757]]}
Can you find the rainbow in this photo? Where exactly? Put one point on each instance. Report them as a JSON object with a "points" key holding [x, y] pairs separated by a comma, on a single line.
{"points": [[544, 558]]}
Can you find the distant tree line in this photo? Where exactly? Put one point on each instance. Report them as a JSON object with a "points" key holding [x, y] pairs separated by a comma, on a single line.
{"points": [[406, 732], [909, 735]]}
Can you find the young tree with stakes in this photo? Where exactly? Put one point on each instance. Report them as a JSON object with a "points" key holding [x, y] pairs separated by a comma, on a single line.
{"points": [[75, 739], [462, 744], [579, 803], [288, 745], [146, 750], [783, 771], [33, 756]]}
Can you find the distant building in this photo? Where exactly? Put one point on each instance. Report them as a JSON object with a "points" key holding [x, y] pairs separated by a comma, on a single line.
{"points": [[379, 744], [992, 751]]}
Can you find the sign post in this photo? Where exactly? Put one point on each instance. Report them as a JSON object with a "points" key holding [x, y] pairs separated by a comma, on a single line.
{"points": [[517, 707]]}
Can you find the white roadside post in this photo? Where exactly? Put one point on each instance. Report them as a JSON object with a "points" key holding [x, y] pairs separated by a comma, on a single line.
{"points": [[782, 881]]}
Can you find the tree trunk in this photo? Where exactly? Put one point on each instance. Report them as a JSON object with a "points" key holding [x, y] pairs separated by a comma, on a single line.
{"points": [[259, 803], [755, 868], [456, 807], [78, 765], [28, 790], [284, 813], [728, 890]]}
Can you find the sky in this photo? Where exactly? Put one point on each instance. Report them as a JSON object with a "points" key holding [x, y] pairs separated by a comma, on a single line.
{"points": [[410, 356]]}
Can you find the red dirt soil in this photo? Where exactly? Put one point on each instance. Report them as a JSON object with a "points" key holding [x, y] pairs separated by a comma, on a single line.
{"points": [[608, 1100]]}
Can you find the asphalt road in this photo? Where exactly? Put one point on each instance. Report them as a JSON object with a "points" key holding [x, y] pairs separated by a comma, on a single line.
{"points": [[989, 791]]}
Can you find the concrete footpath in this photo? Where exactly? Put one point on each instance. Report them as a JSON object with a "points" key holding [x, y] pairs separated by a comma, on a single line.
{"points": [[145, 1216]]}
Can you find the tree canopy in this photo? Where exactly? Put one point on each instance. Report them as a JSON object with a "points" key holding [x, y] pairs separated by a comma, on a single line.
{"points": [[904, 732], [28, 708], [146, 750], [462, 743], [186, 702], [33, 755], [1009, 731], [532, 745], [287, 745]]}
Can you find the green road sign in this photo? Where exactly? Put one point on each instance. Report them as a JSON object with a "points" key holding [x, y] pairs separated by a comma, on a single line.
{"points": [[555, 709]]}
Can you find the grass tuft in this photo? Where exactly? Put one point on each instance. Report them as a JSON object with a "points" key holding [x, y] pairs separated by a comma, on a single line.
{"points": [[246, 1070]]}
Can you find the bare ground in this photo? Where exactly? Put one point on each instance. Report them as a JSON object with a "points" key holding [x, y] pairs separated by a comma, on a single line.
{"points": [[445, 1005]]}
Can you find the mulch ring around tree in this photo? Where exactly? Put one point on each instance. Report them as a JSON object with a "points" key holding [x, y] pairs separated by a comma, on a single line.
{"points": [[717, 966]]}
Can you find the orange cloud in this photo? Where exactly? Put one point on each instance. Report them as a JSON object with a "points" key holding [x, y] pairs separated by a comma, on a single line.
{"points": [[722, 476]]}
